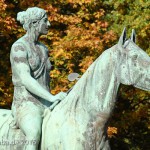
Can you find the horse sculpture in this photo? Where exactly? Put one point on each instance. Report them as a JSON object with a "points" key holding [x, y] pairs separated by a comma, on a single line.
{"points": [[80, 121]]}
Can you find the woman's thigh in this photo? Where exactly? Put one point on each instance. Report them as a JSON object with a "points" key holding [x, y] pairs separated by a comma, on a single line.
{"points": [[30, 121]]}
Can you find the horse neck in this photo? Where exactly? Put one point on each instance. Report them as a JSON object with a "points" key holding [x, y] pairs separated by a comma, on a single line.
{"points": [[106, 84], [98, 87]]}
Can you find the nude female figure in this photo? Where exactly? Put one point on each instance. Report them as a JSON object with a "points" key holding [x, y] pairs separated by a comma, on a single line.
{"points": [[30, 75]]}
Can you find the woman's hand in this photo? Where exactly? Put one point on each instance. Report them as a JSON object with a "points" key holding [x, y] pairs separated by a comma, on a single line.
{"points": [[57, 98], [60, 96]]}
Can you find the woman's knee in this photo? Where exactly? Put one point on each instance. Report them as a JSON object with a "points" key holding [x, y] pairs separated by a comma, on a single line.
{"points": [[34, 133]]}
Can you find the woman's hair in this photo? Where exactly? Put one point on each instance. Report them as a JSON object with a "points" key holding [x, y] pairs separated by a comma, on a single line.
{"points": [[29, 16]]}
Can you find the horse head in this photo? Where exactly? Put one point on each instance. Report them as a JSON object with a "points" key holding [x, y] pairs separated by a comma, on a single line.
{"points": [[134, 65]]}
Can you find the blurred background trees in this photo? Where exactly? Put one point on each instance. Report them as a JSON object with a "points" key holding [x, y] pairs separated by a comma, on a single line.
{"points": [[80, 31]]}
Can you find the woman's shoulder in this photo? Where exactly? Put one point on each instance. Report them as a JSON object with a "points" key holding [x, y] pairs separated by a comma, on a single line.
{"points": [[19, 47]]}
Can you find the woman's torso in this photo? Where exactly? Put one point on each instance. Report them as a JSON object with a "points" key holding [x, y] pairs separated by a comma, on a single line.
{"points": [[39, 64]]}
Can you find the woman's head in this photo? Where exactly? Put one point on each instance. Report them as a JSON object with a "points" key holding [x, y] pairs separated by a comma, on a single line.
{"points": [[30, 17]]}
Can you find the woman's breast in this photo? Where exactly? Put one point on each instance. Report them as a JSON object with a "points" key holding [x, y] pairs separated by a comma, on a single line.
{"points": [[34, 62]]}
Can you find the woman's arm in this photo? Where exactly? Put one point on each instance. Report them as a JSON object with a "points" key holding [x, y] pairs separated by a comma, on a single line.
{"points": [[22, 70]]}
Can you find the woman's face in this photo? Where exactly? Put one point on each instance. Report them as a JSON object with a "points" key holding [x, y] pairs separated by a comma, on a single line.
{"points": [[44, 25]]}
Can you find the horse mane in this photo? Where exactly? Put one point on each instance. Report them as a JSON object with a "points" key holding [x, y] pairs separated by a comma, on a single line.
{"points": [[78, 99]]}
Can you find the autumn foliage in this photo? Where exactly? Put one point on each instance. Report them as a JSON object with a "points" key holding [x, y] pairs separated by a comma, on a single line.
{"points": [[80, 31]]}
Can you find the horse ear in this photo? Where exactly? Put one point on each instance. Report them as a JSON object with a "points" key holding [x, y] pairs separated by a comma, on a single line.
{"points": [[122, 37], [133, 36]]}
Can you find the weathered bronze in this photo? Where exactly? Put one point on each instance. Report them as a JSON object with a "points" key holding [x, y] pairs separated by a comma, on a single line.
{"points": [[79, 122]]}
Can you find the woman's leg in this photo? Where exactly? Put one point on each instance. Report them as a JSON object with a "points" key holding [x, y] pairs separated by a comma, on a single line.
{"points": [[31, 125]]}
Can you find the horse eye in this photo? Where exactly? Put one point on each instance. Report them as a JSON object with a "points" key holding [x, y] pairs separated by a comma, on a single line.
{"points": [[34, 22], [135, 57]]}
